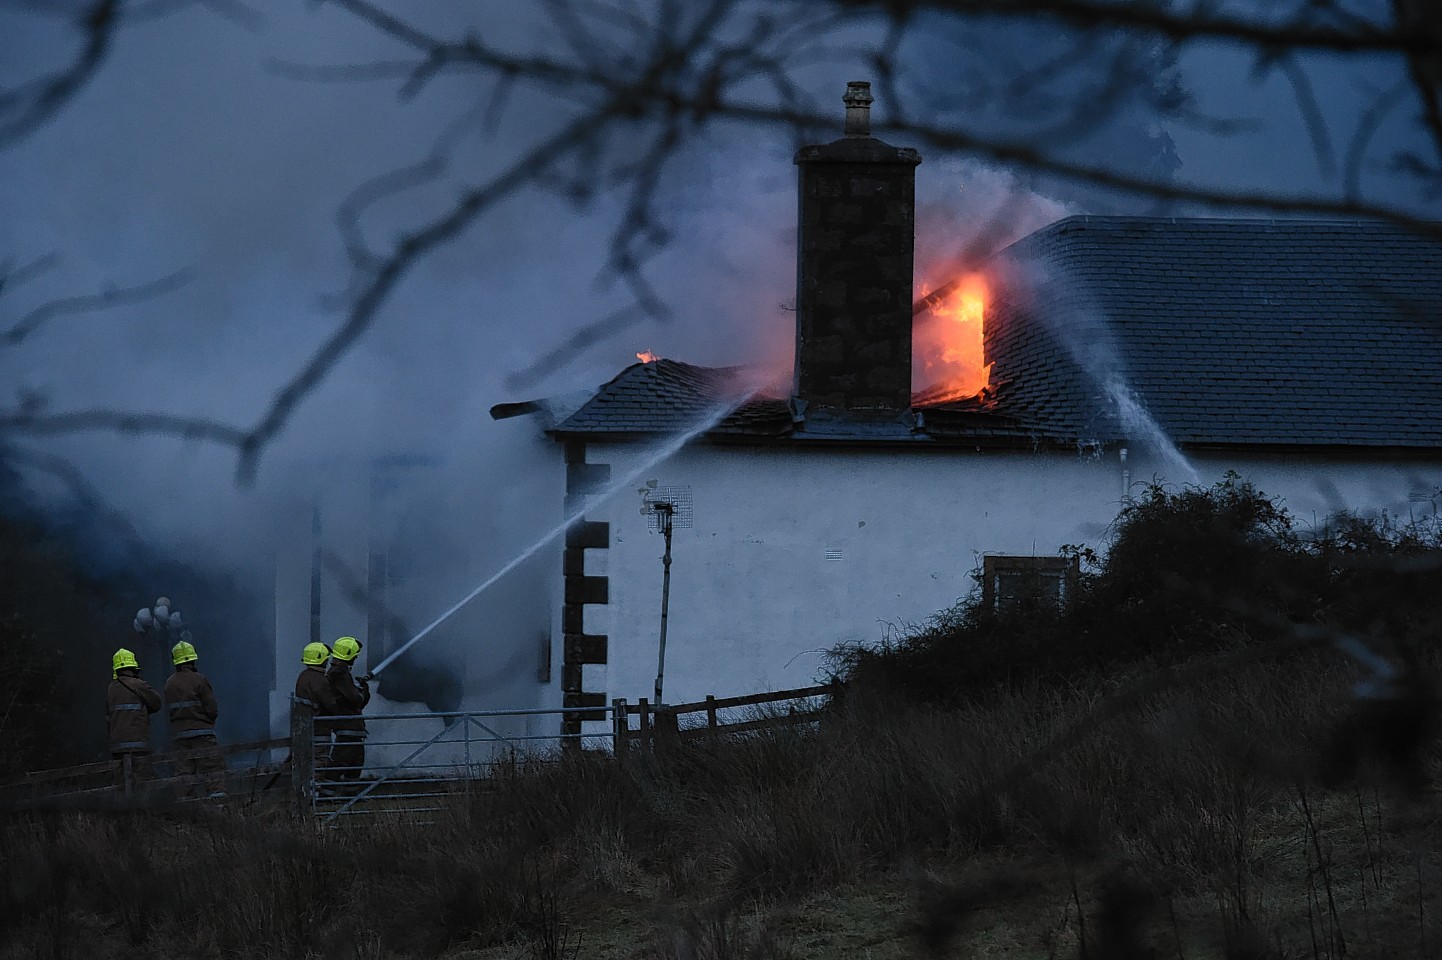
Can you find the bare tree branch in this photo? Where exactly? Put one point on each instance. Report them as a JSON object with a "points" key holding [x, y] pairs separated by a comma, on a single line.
{"points": [[1424, 19], [389, 272], [91, 303], [658, 94], [1174, 23], [394, 182], [84, 492], [585, 337], [13, 276], [1367, 126], [38, 423], [27, 107], [1026, 155], [638, 88], [1311, 113]]}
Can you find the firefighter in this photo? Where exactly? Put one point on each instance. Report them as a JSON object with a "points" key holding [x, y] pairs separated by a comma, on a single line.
{"points": [[192, 706], [313, 692], [128, 705], [352, 693]]}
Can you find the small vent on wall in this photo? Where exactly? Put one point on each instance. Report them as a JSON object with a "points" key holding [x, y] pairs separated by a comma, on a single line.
{"points": [[833, 554]]}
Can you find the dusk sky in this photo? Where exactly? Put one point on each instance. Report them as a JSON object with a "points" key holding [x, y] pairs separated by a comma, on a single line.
{"points": [[193, 150]]}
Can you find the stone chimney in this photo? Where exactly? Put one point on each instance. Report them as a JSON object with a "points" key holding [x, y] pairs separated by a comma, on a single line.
{"points": [[854, 259]]}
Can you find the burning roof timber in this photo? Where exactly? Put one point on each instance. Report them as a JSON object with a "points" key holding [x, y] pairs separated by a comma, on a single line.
{"points": [[1229, 332], [1225, 332]]}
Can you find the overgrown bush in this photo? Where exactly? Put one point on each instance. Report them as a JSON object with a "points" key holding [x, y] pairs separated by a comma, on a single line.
{"points": [[1184, 572]]}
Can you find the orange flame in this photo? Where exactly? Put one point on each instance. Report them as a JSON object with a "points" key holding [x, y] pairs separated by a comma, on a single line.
{"points": [[646, 356], [947, 341]]}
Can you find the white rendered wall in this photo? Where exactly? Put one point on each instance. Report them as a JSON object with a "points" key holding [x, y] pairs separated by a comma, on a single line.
{"points": [[792, 552]]}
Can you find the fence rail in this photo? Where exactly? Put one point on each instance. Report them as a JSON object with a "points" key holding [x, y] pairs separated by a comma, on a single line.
{"points": [[127, 777], [408, 761], [658, 725]]}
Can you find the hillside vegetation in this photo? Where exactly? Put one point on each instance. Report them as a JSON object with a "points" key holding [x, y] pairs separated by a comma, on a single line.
{"points": [[1188, 759]]}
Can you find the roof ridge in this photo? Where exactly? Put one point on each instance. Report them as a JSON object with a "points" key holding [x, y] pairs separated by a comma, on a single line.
{"points": [[1080, 221]]}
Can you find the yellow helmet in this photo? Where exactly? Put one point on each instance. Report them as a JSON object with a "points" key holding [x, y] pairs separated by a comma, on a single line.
{"points": [[183, 652], [122, 660], [346, 649], [314, 654]]}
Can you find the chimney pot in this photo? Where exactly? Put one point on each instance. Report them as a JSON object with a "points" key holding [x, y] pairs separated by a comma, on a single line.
{"points": [[858, 108]]}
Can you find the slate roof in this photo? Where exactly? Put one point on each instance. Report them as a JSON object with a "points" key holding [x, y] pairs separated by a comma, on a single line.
{"points": [[1218, 332], [1276, 332], [663, 396], [668, 396]]}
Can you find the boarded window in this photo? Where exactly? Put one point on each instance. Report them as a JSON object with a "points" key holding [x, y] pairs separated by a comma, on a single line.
{"points": [[1009, 580]]}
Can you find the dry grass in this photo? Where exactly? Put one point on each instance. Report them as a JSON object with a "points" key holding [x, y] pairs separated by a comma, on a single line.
{"points": [[1184, 822]]}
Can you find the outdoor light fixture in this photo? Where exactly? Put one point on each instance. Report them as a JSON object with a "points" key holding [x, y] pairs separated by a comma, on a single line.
{"points": [[163, 624]]}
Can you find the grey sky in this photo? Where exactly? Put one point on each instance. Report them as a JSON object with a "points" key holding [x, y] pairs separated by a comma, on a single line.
{"points": [[187, 151]]}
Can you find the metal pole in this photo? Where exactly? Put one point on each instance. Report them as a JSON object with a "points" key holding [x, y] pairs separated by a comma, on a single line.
{"points": [[315, 571], [667, 512]]}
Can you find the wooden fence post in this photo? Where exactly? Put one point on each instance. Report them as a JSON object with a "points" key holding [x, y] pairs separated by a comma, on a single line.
{"points": [[644, 722], [302, 758], [666, 727], [620, 730], [711, 715]]}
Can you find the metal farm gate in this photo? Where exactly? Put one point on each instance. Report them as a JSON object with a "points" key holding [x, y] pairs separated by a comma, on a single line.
{"points": [[414, 760]]}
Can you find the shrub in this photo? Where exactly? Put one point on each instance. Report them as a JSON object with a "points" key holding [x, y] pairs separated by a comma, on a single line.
{"points": [[1185, 572]]}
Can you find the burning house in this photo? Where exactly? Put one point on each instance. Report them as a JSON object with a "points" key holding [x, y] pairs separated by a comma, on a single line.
{"points": [[1096, 355]]}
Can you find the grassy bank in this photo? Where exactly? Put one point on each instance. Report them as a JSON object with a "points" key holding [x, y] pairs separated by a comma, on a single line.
{"points": [[1185, 813]]}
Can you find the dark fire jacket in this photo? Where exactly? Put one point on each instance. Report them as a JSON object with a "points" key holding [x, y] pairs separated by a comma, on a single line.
{"points": [[313, 691], [128, 705], [191, 702], [351, 695]]}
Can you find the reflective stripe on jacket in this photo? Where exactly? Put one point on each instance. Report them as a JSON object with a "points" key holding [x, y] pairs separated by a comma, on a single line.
{"points": [[191, 702], [128, 705]]}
